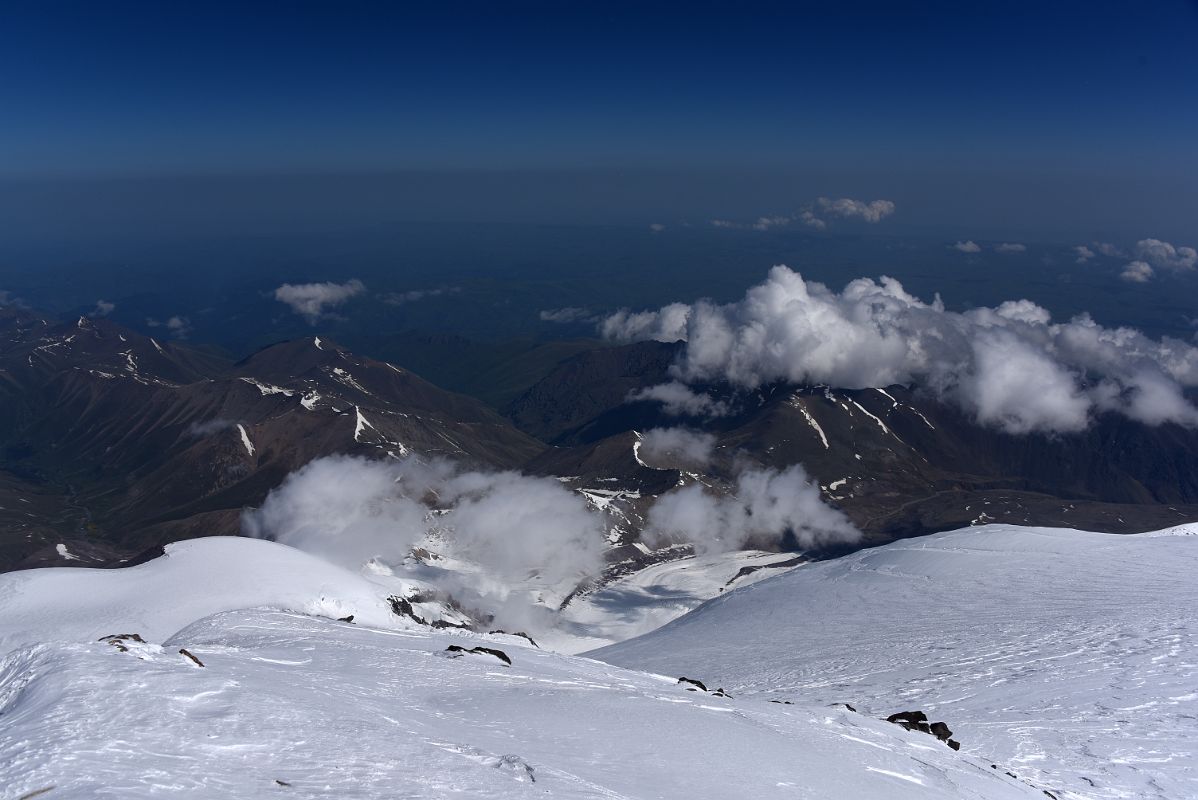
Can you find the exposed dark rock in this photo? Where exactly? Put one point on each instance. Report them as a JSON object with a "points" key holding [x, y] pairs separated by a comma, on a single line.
{"points": [[721, 693], [918, 721], [941, 731], [118, 640], [402, 607], [910, 717], [694, 683], [782, 702], [350, 618], [458, 650], [184, 651], [282, 783]]}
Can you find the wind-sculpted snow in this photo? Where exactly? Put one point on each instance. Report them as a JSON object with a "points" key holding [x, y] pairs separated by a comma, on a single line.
{"points": [[1010, 366], [292, 706], [1068, 657]]}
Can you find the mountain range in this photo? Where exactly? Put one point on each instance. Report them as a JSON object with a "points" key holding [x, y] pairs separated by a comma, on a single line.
{"points": [[115, 443]]}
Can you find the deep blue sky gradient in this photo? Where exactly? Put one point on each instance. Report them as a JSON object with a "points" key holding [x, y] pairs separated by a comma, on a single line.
{"points": [[1084, 115]]}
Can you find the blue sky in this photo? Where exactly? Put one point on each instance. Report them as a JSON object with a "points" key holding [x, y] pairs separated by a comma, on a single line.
{"points": [[1061, 100]]}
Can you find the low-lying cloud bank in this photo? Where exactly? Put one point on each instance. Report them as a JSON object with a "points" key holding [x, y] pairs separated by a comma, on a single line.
{"points": [[1010, 366], [764, 503], [349, 510], [505, 529], [677, 447]]}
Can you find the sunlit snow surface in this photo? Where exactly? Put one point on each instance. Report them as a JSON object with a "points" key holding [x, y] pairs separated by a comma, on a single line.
{"points": [[342, 711], [291, 703], [1069, 657]]}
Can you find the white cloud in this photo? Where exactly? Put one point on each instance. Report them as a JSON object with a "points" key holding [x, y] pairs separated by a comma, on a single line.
{"points": [[681, 448], [568, 314], [177, 326], [1084, 253], [657, 227], [765, 223], [1163, 255], [968, 247], [103, 309], [666, 325], [402, 298], [350, 510], [808, 218], [873, 211], [679, 400], [1010, 248], [311, 300], [765, 506], [816, 215], [1010, 366], [1137, 272], [1109, 250]]}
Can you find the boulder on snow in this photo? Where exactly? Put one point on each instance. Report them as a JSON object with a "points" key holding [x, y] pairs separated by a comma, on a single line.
{"points": [[350, 618], [693, 683]]}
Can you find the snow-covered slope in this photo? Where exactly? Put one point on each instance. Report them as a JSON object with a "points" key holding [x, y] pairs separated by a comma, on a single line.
{"points": [[295, 706], [194, 579], [1070, 658], [649, 598], [291, 703]]}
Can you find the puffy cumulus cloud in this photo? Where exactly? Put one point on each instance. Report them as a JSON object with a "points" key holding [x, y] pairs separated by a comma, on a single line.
{"points": [[1137, 272], [676, 447], [1010, 366], [350, 510], [1010, 248], [765, 506], [657, 227], [968, 247], [567, 315], [311, 300], [1163, 255], [665, 325], [1084, 253], [1109, 250], [679, 400], [103, 309]]}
